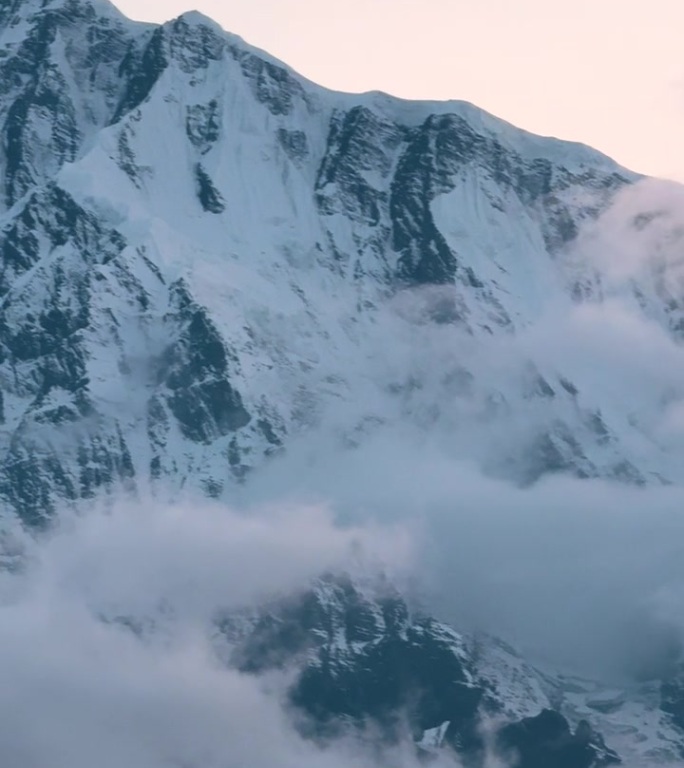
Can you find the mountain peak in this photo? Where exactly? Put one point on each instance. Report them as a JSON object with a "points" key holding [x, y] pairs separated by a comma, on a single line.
{"points": [[366, 189], [199, 19]]}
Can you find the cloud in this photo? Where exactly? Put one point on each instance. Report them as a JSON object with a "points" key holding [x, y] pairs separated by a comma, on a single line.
{"points": [[106, 636], [643, 229], [577, 574], [193, 557], [583, 574]]}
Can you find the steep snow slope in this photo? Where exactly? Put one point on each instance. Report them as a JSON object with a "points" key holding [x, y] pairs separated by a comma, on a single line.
{"points": [[204, 255]]}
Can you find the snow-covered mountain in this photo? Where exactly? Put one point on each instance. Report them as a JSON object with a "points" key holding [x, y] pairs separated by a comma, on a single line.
{"points": [[363, 658], [205, 255], [207, 261]]}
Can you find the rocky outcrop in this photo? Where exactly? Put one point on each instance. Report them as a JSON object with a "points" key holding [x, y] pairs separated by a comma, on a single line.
{"points": [[545, 740], [365, 660]]}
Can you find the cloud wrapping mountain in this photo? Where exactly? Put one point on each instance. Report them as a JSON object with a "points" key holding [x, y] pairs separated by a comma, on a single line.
{"points": [[221, 281]]}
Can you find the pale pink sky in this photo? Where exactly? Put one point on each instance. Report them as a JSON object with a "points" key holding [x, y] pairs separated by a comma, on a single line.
{"points": [[609, 73]]}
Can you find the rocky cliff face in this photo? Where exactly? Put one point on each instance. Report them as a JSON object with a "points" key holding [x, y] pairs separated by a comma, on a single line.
{"points": [[204, 255], [364, 660], [361, 658]]}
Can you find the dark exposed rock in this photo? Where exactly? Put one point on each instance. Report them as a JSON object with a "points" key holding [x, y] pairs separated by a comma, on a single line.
{"points": [[546, 740], [426, 162], [295, 144], [365, 660], [272, 85], [210, 198], [194, 44], [195, 369], [103, 465], [552, 452], [202, 125], [142, 70], [425, 256], [46, 121], [358, 142], [30, 476], [672, 697]]}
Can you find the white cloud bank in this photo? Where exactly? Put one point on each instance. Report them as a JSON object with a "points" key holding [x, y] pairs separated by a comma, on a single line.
{"points": [[579, 574], [80, 688]]}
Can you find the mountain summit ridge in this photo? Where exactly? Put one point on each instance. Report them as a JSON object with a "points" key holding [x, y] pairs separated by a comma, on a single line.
{"points": [[191, 223]]}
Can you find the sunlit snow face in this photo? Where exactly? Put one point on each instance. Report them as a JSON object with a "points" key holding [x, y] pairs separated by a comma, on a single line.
{"points": [[607, 74]]}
